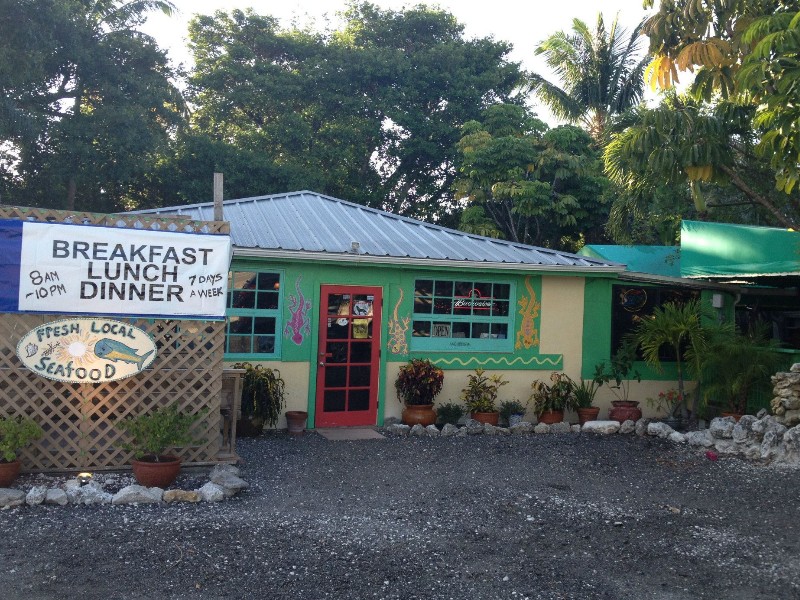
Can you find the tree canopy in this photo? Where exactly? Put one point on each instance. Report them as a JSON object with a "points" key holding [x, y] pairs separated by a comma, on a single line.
{"points": [[529, 184], [371, 112], [87, 103]]}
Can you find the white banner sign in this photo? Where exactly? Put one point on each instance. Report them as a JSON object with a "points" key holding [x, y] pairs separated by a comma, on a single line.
{"points": [[115, 271]]}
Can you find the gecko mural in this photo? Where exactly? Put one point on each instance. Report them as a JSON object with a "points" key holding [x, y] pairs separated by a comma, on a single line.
{"points": [[299, 324], [398, 329], [528, 335]]}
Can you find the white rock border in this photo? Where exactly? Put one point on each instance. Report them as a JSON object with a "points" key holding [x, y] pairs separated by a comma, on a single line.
{"points": [[224, 482], [761, 437]]}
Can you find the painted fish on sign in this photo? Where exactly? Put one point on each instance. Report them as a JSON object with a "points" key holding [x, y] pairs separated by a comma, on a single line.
{"points": [[86, 350]]}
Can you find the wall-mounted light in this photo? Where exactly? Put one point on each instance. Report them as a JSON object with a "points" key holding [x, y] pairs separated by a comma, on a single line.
{"points": [[716, 300]]}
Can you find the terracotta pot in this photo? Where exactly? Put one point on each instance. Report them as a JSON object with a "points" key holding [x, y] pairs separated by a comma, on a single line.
{"points": [[587, 414], [492, 418], [736, 416], [156, 474], [419, 414], [625, 410], [9, 471], [550, 417], [296, 421]]}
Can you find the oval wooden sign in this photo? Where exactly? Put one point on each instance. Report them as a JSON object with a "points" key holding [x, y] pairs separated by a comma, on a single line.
{"points": [[86, 350]]}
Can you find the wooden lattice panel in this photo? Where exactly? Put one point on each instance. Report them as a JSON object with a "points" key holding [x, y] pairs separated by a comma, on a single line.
{"points": [[78, 419]]}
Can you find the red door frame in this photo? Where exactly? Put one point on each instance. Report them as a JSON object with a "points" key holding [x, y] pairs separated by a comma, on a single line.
{"points": [[348, 367]]}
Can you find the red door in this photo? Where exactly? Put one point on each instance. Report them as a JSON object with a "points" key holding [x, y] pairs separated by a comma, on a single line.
{"points": [[348, 355]]}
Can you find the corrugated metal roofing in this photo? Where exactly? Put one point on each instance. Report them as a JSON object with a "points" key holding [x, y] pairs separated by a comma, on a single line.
{"points": [[306, 222]]}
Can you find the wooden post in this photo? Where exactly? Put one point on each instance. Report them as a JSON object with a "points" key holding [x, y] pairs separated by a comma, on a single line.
{"points": [[218, 197]]}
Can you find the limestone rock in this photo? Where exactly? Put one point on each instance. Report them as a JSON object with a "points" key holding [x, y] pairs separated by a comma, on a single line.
{"points": [[211, 492], [418, 431], [575, 428], [521, 428], [601, 427], [36, 495], [232, 469], [10, 498], [627, 427], [541, 428], [398, 429], [432, 430], [230, 483], [677, 437], [389, 421], [489, 429], [449, 430], [721, 428], [56, 496], [503, 431], [93, 493], [473, 427], [641, 427], [138, 494], [659, 429], [182, 496], [700, 438], [562, 427]]}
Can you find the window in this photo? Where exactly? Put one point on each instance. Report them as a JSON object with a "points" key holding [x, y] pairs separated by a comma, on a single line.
{"points": [[630, 304], [460, 315], [253, 326]]}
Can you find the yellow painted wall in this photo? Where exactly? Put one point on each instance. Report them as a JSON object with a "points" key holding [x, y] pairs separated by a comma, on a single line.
{"points": [[295, 375]]}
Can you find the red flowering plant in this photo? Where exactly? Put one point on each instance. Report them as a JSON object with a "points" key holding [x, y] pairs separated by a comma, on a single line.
{"points": [[667, 402], [418, 382]]}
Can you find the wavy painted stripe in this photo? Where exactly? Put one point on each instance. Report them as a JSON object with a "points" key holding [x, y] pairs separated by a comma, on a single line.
{"points": [[473, 360]]}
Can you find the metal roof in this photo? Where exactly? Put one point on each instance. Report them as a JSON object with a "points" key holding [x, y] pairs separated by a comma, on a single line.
{"points": [[309, 225]]}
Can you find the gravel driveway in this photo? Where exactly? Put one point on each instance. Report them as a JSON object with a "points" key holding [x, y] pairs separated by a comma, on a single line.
{"points": [[536, 516]]}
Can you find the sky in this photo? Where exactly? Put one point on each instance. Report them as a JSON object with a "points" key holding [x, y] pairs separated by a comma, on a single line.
{"points": [[523, 24]]}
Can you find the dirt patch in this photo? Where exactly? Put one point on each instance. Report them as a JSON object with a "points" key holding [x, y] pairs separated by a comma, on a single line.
{"points": [[538, 516]]}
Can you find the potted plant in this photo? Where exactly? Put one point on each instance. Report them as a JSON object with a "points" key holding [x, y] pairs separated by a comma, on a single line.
{"points": [[480, 395], [618, 376], [585, 391], [512, 411], [15, 434], [667, 404], [449, 412], [734, 364], [417, 384], [551, 400], [262, 399], [151, 435]]}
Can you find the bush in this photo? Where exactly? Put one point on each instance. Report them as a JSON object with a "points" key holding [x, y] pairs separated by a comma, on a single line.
{"points": [[450, 412]]}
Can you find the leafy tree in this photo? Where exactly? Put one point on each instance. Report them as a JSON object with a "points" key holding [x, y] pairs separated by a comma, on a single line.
{"points": [[745, 51], [83, 119], [698, 148], [371, 112], [530, 184], [601, 73]]}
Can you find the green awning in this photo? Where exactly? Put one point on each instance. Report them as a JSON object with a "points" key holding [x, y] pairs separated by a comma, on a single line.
{"points": [[741, 251], [654, 260]]}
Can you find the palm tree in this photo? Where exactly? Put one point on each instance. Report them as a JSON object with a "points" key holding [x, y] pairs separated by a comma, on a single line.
{"points": [[678, 326], [602, 74]]}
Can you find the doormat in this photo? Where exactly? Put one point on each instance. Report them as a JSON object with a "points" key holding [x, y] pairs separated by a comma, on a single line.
{"points": [[349, 433]]}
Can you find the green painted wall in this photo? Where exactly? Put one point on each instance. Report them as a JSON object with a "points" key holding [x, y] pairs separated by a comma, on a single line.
{"points": [[597, 328]]}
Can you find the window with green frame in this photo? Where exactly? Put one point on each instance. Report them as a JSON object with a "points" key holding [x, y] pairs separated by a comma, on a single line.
{"points": [[253, 327], [453, 315]]}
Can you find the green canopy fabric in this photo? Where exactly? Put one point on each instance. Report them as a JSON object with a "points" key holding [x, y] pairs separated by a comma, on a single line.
{"points": [[724, 250], [654, 260]]}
